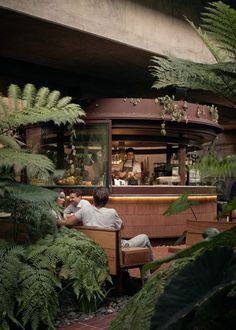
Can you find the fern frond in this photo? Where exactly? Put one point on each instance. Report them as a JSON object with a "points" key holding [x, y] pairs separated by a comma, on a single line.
{"points": [[36, 165], [218, 78], [3, 108], [11, 258], [38, 300], [219, 56], [28, 95], [14, 96], [53, 98], [64, 101], [26, 192], [9, 141], [220, 20], [41, 97]]}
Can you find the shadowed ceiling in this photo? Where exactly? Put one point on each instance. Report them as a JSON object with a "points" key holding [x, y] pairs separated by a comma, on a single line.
{"points": [[82, 65]]}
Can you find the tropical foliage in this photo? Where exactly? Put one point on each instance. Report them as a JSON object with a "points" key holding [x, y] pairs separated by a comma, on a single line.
{"points": [[27, 204], [35, 275], [33, 279], [214, 166], [195, 290], [27, 107], [218, 32]]}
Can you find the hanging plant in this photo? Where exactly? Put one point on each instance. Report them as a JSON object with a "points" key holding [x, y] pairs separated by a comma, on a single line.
{"points": [[171, 110]]}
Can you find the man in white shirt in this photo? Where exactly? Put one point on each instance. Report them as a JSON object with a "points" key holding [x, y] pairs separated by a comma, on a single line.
{"points": [[100, 216], [76, 202]]}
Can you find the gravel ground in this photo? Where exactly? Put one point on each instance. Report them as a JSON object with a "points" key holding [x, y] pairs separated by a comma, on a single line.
{"points": [[70, 315]]}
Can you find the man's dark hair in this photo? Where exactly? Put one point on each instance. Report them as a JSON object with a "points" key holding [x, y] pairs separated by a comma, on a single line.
{"points": [[77, 192], [129, 150], [100, 196]]}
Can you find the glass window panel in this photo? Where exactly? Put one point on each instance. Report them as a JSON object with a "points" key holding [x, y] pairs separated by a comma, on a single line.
{"points": [[80, 158]]}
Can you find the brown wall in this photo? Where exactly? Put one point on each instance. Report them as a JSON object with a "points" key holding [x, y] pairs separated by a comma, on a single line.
{"points": [[147, 218]]}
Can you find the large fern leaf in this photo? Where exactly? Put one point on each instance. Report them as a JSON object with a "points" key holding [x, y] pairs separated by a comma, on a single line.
{"points": [[11, 257], [36, 165], [218, 32], [184, 73], [220, 20]]}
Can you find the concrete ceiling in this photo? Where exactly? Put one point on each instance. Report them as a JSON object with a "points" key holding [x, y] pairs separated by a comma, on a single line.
{"points": [[79, 64], [38, 50]]}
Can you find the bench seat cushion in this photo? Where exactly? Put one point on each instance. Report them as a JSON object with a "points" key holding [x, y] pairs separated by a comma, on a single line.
{"points": [[135, 256]]}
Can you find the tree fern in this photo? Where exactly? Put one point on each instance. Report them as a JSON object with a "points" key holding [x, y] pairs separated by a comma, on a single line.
{"points": [[218, 32], [30, 107]]}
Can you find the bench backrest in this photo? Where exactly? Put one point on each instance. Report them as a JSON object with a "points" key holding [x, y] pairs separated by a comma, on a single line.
{"points": [[118, 258], [109, 240]]}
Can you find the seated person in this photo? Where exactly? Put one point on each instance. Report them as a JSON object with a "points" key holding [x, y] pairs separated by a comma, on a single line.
{"points": [[100, 216], [76, 202], [60, 202], [130, 169]]}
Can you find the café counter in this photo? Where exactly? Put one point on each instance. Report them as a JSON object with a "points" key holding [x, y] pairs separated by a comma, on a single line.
{"points": [[141, 208]]}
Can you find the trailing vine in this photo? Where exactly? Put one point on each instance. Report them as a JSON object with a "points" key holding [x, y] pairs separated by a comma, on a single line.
{"points": [[178, 111], [171, 110]]}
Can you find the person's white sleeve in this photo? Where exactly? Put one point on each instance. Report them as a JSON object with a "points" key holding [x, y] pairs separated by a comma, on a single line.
{"points": [[118, 221], [78, 215]]}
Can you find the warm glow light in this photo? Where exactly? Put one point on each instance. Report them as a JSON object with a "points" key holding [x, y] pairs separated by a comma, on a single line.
{"points": [[132, 199]]}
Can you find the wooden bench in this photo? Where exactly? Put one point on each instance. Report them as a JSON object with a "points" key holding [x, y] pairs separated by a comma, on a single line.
{"points": [[194, 230], [118, 258]]}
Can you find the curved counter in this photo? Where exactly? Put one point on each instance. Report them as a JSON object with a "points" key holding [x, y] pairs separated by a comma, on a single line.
{"points": [[141, 208]]}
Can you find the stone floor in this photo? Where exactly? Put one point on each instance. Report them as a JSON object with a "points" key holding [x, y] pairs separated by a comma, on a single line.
{"points": [[102, 322]]}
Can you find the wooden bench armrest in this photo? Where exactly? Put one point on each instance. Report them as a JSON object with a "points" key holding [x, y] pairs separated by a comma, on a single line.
{"points": [[94, 228]]}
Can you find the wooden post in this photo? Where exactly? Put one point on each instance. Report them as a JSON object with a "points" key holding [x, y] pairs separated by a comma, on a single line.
{"points": [[182, 167]]}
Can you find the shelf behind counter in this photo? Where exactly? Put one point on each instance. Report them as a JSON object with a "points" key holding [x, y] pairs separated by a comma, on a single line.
{"points": [[141, 208]]}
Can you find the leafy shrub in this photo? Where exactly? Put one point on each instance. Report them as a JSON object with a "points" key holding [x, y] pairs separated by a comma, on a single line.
{"points": [[32, 278]]}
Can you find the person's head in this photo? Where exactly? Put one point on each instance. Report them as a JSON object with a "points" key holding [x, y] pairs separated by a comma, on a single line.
{"points": [[61, 199], [100, 196], [130, 153], [75, 197]]}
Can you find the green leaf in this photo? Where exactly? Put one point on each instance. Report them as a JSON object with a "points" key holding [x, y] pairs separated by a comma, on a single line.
{"points": [[200, 281], [31, 193], [181, 204]]}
